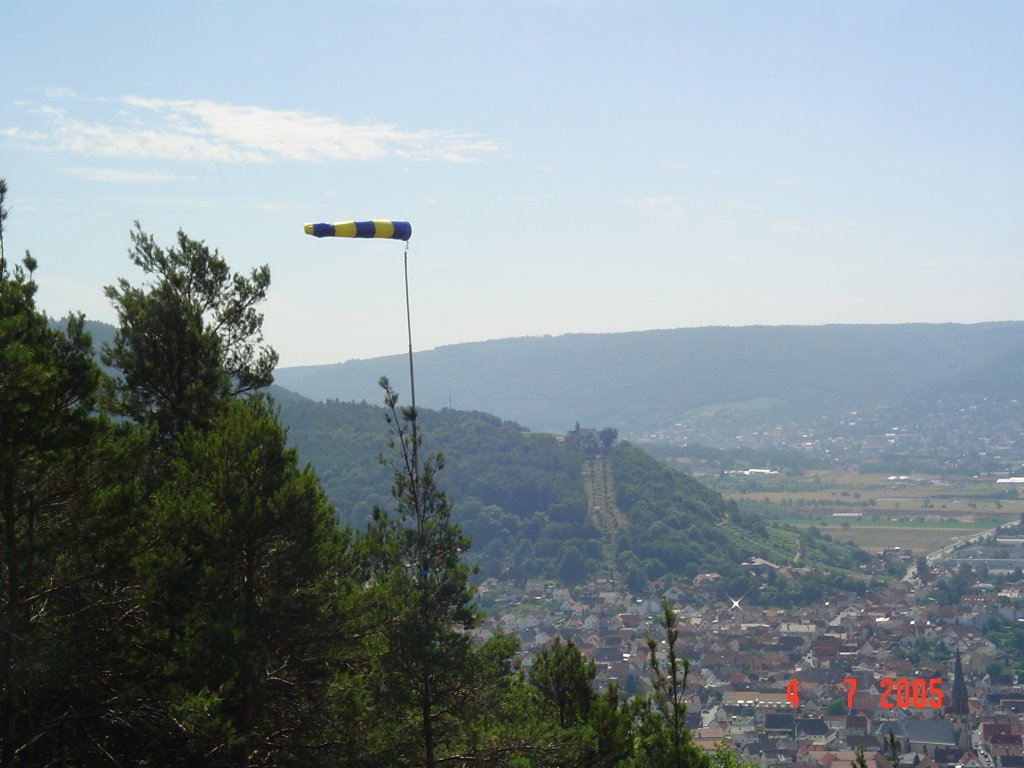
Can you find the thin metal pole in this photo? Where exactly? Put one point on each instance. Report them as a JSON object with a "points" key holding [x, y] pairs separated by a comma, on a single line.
{"points": [[417, 501], [426, 701], [408, 323]]}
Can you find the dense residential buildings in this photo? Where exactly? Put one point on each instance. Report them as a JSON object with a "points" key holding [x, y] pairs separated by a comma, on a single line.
{"points": [[802, 686]]}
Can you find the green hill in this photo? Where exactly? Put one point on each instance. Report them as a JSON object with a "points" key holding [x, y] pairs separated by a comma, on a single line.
{"points": [[649, 379], [544, 505], [541, 505], [518, 495]]}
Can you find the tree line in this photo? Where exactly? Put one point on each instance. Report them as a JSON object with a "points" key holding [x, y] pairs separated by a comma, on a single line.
{"points": [[175, 589]]}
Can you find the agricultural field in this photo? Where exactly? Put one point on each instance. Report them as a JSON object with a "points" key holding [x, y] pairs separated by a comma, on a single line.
{"points": [[875, 511], [921, 537]]}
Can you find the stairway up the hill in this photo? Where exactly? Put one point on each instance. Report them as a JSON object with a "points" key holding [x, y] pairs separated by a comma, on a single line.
{"points": [[604, 514]]}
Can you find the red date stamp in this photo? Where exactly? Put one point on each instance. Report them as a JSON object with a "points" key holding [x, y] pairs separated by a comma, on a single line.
{"points": [[900, 692]]}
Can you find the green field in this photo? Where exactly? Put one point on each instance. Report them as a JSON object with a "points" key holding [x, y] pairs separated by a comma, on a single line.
{"points": [[922, 516], [874, 535]]}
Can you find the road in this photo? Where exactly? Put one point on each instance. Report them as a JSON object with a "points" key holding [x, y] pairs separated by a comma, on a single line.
{"points": [[940, 554]]}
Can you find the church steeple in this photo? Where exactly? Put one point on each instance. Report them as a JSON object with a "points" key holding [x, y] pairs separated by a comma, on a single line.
{"points": [[957, 709], [958, 701]]}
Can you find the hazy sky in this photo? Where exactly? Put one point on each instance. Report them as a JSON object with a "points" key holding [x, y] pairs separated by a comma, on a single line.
{"points": [[566, 165]]}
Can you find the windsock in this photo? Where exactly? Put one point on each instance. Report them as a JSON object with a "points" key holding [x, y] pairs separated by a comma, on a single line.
{"points": [[392, 230]]}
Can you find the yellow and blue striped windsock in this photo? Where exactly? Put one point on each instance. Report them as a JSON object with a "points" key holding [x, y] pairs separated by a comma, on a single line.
{"points": [[393, 230]]}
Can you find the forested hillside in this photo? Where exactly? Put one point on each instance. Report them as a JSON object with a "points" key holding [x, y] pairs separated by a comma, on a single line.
{"points": [[518, 495], [679, 527], [522, 499], [651, 379]]}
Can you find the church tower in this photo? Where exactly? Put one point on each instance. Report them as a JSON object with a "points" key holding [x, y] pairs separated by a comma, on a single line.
{"points": [[958, 709]]}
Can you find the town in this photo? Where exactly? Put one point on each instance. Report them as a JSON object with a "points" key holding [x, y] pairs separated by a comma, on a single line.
{"points": [[807, 686]]}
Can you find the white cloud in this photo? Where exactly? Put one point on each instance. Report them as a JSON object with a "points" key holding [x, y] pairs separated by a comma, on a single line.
{"points": [[210, 131], [12, 133], [119, 176], [663, 204], [46, 111], [58, 93]]}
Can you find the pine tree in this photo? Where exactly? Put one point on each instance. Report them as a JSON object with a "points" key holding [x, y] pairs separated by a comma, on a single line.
{"points": [[664, 741], [188, 340], [241, 592], [564, 680], [47, 386], [426, 657], [892, 749], [234, 654]]}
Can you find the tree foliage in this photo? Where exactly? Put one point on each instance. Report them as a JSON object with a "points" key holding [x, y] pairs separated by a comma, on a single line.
{"points": [[238, 585], [423, 584], [189, 339], [585, 728], [564, 678], [892, 749], [664, 739], [47, 387]]}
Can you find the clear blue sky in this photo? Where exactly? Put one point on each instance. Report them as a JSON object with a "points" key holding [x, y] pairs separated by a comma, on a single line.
{"points": [[568, 166]]}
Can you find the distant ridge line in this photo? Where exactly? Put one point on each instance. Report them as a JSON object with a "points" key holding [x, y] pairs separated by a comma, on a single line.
{"points": [[638, 381]]}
